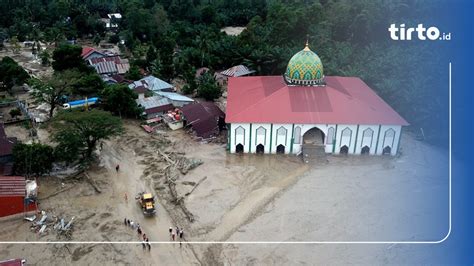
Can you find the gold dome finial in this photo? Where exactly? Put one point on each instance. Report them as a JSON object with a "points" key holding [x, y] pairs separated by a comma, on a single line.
{"points": [[306, 47]]}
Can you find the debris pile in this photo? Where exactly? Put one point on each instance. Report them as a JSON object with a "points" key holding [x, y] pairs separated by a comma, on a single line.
{"points": [[52, 223]]}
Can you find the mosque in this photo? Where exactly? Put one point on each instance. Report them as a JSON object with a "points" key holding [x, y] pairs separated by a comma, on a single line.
{"points": [[304, 111]]}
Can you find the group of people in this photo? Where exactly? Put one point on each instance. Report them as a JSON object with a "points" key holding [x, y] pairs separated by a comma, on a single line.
{"points": [[175, 233], [141, 235]]}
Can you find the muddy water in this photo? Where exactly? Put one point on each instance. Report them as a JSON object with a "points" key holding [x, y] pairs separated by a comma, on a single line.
{"points": [[129, 181]]}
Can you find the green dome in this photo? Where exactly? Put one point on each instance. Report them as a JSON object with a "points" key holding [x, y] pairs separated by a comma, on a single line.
{"points": [[305, 69]]}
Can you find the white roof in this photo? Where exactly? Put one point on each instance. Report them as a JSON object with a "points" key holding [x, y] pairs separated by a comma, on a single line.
{"points": [[116, 15], [152, 83], [237, 71], [174, 96]]}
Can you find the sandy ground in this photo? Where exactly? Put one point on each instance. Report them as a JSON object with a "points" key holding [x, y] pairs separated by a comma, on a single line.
{"points": [[247, 198]]}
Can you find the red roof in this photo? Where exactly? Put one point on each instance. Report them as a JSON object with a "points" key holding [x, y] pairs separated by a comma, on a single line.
{"points": [[12, 186], [344, 100], [86, 51]]}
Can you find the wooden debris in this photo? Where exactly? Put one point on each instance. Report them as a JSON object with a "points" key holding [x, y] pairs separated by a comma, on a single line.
{"points": [[195, 186], [92, 183]]}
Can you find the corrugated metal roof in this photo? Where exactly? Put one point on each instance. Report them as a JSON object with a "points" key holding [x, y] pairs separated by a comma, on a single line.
{"points": [[203, 117], [237, 71], [12, 186], [174, 96], [344, 100], [152, 102]]}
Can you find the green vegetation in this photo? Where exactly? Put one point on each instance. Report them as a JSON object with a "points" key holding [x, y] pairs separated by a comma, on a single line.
{"points": [[52, 90], [78, 132], [120, 100], [15, 112], [171, 38], [208, 87], [32, 159], [11, 74], [67, 57]]}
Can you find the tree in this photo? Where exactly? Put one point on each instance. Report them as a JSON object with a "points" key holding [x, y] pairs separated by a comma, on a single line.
{"points": [[32, 159], [133, 73], [52, 90], [69, 57], [15, 112], [15, 44], [78, 132], [120, 99], [45, 58], [12, 74], [208, 88]]}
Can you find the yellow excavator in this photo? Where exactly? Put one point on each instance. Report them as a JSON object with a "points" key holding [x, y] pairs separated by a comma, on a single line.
{"points": [[147, 203]]}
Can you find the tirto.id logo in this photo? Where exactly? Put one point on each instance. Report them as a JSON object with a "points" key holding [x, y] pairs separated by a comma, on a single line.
{"points": [[402, 33]]}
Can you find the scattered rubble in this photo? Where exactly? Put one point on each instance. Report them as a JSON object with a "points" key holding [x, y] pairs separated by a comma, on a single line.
{"points": [[52, 223]]}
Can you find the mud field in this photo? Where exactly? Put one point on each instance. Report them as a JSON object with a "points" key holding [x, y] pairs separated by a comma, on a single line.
{"points": [[239, 198]]}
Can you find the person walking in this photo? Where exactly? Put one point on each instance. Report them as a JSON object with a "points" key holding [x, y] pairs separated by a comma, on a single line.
{"points": [[148, 244], [117, 168], [173, 236], [125, 221], [139, 231], [128, 222], [144, 236], [171, 231], [177, 231], [181, 234], [143, 245]]}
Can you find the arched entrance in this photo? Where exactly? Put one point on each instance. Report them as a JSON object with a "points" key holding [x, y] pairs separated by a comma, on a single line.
{"points": [[260, 148], [387, 150], [314, 136], [365, 150], [344, 150], [239, 148], [280, 149]]}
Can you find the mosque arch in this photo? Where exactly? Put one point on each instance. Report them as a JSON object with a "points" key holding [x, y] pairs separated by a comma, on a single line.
{"points": [[280, 149], [240, 135], [239, 148], [297, 135], [389, 138], [344, 150], [365, 150], [260, 148], [330, 136], [281, 135], [261, 135], [314, 136]]}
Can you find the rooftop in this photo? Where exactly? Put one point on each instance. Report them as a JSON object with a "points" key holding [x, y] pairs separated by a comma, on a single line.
{"points": [[344, 100], [12, 186]]}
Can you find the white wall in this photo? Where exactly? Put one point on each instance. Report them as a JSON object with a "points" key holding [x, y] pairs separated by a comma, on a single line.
{"points": [[347, 140], [355, 145], [264, 140], [370, 142], [382, 143]]}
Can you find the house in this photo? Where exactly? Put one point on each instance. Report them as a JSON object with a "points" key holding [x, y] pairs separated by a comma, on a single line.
{"points": [[154, 106], [304, 111], [176, 99], [14, 198], [237, 71], [111, 21], [153, 84], [89, 53], [206, 119], [110, 65]]}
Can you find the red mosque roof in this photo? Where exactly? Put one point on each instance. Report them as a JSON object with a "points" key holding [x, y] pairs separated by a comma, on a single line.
{"points": [[344, 100]]}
